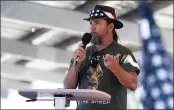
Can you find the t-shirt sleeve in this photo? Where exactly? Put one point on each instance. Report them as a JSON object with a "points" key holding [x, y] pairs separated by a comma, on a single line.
{"points": [[129, 63]]}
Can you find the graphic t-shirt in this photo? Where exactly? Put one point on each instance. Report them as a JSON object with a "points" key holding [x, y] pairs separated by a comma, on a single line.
{"points": [[94, 75]]}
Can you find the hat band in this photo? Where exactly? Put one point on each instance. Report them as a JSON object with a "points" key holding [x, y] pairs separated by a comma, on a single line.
{"points": [[99, 13], [109, 15]]}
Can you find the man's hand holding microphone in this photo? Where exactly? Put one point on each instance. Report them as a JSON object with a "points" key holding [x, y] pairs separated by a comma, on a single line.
{"points": [[71, 78], [79, 54]]}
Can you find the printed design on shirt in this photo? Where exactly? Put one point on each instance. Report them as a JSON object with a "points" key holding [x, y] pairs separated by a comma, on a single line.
{"points": [[93, 75], [94, 102]]}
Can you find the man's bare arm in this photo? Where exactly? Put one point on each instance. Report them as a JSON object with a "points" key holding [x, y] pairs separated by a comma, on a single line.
{"points": [[127, 79], [70, 80]]}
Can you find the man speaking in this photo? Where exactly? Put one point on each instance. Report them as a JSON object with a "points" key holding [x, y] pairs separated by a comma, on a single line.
{"points": [[106, 65]]}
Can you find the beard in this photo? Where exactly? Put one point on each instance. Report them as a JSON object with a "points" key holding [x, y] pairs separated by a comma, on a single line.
{"points": [[96, 40]]}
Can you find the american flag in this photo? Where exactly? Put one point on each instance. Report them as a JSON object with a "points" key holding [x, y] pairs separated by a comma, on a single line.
{"points": [[157, 82]]}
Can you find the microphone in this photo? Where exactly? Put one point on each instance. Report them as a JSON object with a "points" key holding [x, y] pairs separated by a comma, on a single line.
{"points": [[85, 40]]}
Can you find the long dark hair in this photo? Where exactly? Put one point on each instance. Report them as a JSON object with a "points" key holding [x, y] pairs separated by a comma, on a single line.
{"points": [[115, 36]]}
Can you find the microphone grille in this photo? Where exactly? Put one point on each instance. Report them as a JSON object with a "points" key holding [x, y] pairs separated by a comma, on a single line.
{"points": [[86, 38]]}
